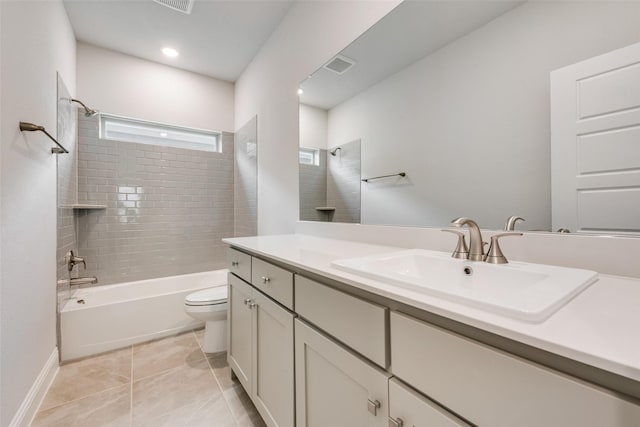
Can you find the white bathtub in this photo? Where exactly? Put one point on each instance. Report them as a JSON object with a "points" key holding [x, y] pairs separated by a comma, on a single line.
{"points": [[115, 316]]}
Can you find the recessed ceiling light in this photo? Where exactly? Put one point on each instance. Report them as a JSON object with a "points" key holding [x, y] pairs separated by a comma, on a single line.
{"points": [[300, 91], [164, 134], [170, 52]]}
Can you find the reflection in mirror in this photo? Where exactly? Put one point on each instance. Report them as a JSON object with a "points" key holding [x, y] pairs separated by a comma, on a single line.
{"points": [[457, 95]]}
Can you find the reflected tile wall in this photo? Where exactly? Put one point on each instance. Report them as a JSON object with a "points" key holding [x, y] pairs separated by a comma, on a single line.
{"points": [[313, 190], [167, 208], [246, 179], [343, 182]]}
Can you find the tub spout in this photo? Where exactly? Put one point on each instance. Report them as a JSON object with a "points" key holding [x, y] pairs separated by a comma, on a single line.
{"points": [[78, 281]]}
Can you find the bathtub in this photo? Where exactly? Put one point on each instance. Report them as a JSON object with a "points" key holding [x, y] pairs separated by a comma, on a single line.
{"points": [[109, 317]]}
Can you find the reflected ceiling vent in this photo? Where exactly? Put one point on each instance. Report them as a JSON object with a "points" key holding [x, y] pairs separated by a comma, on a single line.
{"points": [[183, 6], [339, 64]]}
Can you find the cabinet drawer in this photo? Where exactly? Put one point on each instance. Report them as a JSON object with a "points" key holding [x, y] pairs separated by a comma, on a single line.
{"points": [[239, 264], [273, 281], [357, 323], [491, 388], [408, 408]]}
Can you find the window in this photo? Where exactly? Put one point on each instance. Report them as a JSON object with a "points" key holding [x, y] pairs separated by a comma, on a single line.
{"points": [[309, 156], [144, 132]]}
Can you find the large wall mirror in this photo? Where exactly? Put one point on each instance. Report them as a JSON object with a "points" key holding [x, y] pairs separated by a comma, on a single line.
{"points": [[456, 95]]}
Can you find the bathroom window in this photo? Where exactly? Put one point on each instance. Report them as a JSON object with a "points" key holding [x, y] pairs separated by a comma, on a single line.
{"points": [[309, 156], [144, 132]]}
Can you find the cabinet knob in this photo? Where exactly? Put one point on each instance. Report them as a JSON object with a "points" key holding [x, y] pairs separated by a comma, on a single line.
{"points": [[247, 301], [373, 406], [252, 305], [396, 423], [266, 280], [235, 263]]}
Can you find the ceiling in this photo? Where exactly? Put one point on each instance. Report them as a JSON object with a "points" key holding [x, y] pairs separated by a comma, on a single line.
{"points": [[218, 38], [410, 32]]}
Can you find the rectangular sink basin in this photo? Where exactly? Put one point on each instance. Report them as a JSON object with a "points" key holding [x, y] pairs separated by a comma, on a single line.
{"points": [[530, 292]]}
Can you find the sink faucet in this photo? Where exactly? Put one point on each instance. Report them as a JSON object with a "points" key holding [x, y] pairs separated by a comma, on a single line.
{"points": [[476, 245], [510, 225]]}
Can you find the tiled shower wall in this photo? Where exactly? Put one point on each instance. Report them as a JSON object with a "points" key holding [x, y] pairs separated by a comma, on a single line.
{"points": [[343, 182], [167, 208], [313, 190], [245, 193]]}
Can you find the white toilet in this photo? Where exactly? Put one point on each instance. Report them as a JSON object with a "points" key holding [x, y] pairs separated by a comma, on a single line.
{"points": [[210, 305]]}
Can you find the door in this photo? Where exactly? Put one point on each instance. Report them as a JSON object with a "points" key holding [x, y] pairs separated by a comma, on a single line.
{"points": [[239, 324], [334, 387], [595, 143], [273, 383]]}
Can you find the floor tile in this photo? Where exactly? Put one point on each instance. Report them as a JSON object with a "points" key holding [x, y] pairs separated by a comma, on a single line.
{"points": [[242, 408], [207, 413], [109, 408], [166, 392], [157, 356], [85, 377]]}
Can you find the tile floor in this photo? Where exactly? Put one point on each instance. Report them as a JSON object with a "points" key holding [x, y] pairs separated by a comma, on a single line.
{"points": [[165, 383]]}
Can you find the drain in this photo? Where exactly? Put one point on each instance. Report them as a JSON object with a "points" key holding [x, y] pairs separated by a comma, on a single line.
{"points": [[467, 270], [80, 301]]}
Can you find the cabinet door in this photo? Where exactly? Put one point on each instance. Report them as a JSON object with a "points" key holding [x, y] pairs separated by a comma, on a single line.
{"points": [[273, 382], [408, 408], [334, 387], [239, 330]]}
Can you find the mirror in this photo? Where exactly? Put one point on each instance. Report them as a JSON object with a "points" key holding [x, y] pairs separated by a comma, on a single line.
{"points": [[456, 94]]}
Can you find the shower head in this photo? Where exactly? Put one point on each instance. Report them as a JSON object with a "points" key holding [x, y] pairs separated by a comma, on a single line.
{"points": [[88, 112], [335, 150]]}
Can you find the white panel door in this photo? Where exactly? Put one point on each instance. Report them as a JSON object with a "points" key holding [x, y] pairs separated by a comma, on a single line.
{"points": [[335, 388], [595, 144], [239, 331]]}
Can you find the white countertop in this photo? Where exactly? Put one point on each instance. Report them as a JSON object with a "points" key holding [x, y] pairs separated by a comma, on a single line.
{"points": [[600, 327]]}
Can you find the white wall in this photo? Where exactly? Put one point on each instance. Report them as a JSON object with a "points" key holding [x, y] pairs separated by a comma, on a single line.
{"points": [[309, 34], [117, 83], [313, 127], [36, 41], [470, 123]]}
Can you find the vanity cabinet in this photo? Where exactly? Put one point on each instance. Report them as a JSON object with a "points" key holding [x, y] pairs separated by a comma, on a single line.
{"points": [[408, 408], [489, 387], [334, 387], [239, 264], [260, 351]]}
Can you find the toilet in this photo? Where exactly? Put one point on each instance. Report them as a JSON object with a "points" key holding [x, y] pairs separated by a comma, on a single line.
{"points": [[210, 305]]}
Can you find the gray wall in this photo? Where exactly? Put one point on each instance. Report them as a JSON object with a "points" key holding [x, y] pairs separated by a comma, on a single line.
{"points": [[167, 208], [343, 182], [313, 190], [245, 191]]}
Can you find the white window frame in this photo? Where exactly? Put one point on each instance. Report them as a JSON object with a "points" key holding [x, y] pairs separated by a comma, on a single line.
{"points": [[314, 154], [126, 129]]}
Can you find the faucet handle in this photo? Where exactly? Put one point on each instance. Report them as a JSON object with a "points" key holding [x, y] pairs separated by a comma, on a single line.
{"points": [[495, 255], [72, 260], [461, 250]]}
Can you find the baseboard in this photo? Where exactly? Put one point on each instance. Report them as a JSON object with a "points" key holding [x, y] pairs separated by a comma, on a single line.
{"points": [[32, 401]]}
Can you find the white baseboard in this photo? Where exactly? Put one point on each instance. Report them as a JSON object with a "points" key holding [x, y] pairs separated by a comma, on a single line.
{"points": [[32, 401]]}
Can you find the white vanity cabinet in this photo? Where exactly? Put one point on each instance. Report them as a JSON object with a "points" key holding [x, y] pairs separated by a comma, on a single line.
{"points": [[334, 387], [260, 351]]}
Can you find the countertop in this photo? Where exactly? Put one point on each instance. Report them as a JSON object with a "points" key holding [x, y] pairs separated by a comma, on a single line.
{"points": [[599, 327]]}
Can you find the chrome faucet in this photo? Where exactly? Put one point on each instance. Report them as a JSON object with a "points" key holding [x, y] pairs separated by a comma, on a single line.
{"points": [[510, 225], [71, 261], [476, 245]]}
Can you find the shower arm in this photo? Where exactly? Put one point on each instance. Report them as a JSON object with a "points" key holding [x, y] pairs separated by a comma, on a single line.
{"points": [[30, 127]]}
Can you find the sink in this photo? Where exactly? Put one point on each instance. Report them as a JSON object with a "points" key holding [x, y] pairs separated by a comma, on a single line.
{"points": [[530, 292]]}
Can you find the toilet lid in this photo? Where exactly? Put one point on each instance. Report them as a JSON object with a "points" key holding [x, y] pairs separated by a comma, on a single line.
{"points": [[217, 295]]}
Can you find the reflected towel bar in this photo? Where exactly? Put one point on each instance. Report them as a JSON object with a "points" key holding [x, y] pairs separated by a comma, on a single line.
{"points": [[30, 127], [384, 176]]}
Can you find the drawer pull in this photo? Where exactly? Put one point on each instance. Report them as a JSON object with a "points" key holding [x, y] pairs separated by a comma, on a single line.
{"points": [[266, 280], [373, 406], [396, 423], [235, 263]]}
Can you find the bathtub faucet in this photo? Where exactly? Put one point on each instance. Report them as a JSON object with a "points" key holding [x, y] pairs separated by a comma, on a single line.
{"points": [[72, 260], [78, 281]]}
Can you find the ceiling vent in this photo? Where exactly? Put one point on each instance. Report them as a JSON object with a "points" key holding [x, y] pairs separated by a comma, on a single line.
{"points": [[183, 6], [339, 64]]}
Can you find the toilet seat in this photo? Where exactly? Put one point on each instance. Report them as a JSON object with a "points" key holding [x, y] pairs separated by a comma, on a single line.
{"points": [[211, 296]]}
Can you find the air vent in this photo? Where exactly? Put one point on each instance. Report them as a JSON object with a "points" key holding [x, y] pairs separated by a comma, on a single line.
{"points": [[339, 64], [183, 6]]}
